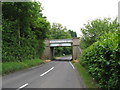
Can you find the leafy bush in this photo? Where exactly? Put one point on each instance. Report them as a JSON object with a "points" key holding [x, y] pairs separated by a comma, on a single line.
{"points": [[95, 28], [24, 29], [102, 59]]}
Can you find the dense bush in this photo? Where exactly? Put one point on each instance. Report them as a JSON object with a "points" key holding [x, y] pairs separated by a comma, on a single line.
{"points": [[24, 30], [102, 59], [95, 28]]}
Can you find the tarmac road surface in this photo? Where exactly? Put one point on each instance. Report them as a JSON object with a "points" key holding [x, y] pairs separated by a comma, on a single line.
{"points": [[55, 74]]}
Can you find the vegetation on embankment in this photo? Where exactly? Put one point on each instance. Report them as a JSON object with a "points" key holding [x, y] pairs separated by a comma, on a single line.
{"points": [[9, 67], [87, 79], [24, 29], [102, 57], [102, 61]]}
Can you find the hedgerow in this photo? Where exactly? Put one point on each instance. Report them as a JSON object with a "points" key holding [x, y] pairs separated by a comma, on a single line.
{"points": [[102, 59]]}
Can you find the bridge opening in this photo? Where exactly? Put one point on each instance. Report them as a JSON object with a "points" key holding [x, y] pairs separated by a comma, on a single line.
{"points": [[62, 53]]}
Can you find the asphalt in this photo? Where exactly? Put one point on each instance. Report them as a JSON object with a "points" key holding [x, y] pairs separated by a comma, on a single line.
{"points": [[64, 58], [55, 74]]}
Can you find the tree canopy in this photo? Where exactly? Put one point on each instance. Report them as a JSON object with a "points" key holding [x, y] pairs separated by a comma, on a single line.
{"points": [[73, 34], [96, 28], [24, 30], [57, 31]]}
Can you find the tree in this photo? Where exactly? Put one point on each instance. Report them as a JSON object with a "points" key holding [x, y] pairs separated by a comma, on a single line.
{"points": [[96, 28], [73, 34], [57, 31], [24, 30]]}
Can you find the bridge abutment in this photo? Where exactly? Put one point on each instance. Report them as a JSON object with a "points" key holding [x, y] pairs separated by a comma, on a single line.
{"points": [[76, 48], [47, 52]]}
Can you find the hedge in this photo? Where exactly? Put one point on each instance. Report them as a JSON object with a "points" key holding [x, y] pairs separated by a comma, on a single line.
{"points": [[102, 59]]}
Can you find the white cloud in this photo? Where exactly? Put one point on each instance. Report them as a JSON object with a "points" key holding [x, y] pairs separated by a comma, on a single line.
{"points": [[75, 13]]}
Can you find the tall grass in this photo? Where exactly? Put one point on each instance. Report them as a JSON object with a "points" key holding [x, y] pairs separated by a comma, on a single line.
{"points": [[9, 67]]}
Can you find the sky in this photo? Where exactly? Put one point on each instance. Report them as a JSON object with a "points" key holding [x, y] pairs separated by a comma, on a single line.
{"points": [[75, 13]]}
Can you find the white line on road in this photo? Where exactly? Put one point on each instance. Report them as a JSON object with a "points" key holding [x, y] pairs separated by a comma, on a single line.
{"points": [[47, 72], [72, 65], [23, 86]]}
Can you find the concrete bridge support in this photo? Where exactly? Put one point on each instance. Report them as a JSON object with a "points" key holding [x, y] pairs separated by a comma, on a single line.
{"points": [[76, 49], [49, 51]]}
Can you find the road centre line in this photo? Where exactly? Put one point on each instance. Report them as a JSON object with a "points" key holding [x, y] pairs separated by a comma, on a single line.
{"points": [[47, 72], [23, 86], [72, 65]]}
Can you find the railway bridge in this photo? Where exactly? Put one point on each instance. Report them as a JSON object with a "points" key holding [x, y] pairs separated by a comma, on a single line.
{"points": [[50, 44]]}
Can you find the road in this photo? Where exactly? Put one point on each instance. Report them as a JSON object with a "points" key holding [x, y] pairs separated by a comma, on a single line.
{"points": [[55, 74], [65, 58]]}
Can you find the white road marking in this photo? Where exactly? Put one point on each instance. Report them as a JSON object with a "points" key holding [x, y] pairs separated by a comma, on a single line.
{"points": [[23, 86], [72, 65], [47, 72]]}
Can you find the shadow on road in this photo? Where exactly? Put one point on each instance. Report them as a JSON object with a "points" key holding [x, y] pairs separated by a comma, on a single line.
{"points": [[65, 58], [62, 60]]}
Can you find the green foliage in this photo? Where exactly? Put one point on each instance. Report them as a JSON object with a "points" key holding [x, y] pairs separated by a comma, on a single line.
{"points": [[61, 51], [9, 67], [73, 34], [57, 31], [24, 31], [0, 68], [96, 28], [102, 59]]}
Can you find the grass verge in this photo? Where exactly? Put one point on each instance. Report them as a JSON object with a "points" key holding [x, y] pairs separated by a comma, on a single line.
{"points": [[9, 67], [88, 81]]}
